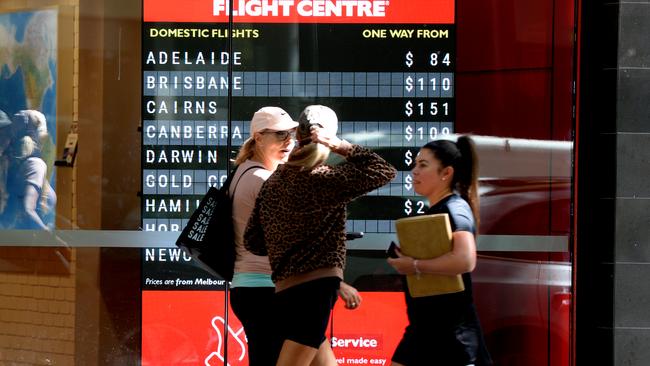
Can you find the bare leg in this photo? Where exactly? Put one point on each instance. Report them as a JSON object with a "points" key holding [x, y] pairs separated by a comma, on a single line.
{"points": [[396, 364], [325, 355], [296, 354]]}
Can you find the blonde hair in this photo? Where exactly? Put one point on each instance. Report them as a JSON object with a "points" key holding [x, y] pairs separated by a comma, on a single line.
{"points": [[37, 122], [309, 156], [26, 147], [246, 151], [313, 154]]}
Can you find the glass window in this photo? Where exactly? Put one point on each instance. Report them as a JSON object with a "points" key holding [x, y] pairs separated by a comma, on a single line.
{"points": [[119, 116]]}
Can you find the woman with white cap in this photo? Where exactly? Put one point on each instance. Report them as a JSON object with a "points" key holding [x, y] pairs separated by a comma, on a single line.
{"points": [[272, 133], [299, 220], [31, 200], [272, 138]]}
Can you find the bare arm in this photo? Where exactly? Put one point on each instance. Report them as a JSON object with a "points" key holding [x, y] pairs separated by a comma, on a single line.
{"points": [[461, 259], [30, 202]]}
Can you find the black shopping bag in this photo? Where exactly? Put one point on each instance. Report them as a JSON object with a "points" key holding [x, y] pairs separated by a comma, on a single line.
{"points": [[208, 236]]}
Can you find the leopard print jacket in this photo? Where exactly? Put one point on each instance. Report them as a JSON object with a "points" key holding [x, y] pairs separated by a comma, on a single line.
{"points": [[299, 215]]}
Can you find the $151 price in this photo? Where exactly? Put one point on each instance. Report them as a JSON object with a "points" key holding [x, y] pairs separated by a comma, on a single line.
{"points": [[422, 109]]}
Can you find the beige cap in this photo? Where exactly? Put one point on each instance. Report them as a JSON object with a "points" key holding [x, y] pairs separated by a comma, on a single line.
{"points": [[319, 115], [30, 122], [272, 118]]}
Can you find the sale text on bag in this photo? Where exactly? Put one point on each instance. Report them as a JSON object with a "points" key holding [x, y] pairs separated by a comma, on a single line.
{"points": [[201, 225]]}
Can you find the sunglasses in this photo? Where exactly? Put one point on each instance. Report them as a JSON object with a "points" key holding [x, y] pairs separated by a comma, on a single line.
{"points": [[282, 135]]}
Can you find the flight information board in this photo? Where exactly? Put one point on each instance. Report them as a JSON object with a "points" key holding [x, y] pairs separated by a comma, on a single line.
{"points": [[385, 67]]}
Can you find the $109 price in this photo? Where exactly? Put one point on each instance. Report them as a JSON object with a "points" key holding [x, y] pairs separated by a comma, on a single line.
{"points": [[421, 133]]}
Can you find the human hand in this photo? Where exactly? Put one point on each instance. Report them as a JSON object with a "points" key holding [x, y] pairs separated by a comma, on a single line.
{"points": [[403, 264], [350, 296], [325, 137]]}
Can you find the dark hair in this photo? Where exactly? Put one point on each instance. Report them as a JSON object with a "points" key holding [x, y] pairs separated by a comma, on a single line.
{"points": [[460, 155]]}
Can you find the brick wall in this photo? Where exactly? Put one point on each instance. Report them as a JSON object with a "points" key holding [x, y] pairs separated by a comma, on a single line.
{"points": [[37, 306]]}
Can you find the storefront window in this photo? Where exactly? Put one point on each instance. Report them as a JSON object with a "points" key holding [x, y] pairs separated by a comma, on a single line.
{"points": [[118, 116]]}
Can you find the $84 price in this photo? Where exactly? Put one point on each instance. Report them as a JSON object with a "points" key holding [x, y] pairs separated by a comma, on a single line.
{"points": [[434, 59]]}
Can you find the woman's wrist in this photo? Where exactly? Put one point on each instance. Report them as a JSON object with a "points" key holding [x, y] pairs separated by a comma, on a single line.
{"points": [[343, 148], [416, 268]]}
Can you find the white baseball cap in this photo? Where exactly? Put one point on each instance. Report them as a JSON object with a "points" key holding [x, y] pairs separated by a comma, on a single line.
{"points": [[319, 115], [272, 118]]}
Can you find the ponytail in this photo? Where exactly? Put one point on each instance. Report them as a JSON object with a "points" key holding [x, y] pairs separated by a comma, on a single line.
{"points": [[466, 174], [246, 151], [312, 154], [463, 158], [309, 156]]}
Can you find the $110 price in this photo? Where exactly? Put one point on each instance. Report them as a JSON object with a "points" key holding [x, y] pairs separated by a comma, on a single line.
{"points": [[421, 84]]}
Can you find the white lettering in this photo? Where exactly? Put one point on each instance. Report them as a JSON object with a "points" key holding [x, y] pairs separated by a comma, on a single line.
{"points": [[190, 58], [305, 8], [359, 342]]}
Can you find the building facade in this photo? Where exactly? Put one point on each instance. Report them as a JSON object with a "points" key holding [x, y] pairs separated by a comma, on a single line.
{"points": [[146, 103]]}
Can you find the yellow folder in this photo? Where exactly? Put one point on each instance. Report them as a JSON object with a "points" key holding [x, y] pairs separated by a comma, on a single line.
{"points": [[425, 237]]}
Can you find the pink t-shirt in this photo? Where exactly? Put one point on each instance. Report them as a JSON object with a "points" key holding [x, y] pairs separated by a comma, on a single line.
{"points": [[246, 190]]}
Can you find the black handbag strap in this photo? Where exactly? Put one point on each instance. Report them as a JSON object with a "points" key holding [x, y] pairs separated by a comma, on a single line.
{"points": [[226, 185]]}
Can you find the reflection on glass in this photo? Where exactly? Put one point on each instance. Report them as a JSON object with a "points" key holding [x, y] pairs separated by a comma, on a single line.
{"points": [[28, 198], [509, 85], [28, 97]]}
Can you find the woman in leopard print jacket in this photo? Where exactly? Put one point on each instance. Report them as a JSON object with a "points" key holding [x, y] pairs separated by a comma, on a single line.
{"points": [[299, 222]]}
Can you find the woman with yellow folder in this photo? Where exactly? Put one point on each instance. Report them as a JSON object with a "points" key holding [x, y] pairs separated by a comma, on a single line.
{"points": [[445, 329]]}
